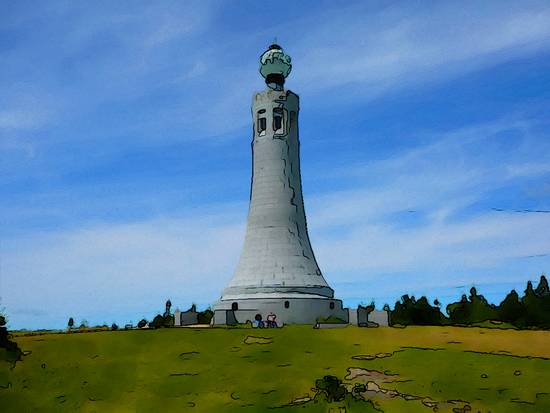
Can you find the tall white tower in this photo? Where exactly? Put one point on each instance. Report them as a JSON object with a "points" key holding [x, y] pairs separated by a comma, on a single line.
{"points": [[277, 272]]}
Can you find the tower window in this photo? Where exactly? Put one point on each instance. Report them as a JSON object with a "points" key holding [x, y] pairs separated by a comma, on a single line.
{"points": [[262, 122], [331, 305], [287, 304], [234, 306], [278, 120]]}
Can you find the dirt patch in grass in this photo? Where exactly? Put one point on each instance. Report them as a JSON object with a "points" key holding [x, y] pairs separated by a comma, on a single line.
{"points": [[365, 376], [258, 340], [376, 390], [372, 356]]}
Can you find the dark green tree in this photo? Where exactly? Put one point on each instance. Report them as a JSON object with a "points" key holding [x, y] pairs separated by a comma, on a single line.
{"points": [[168, 306], [511, 310], [70, 323], [542, 289], [472, 309], [204, 317], [412, 312], [161, 321], [481, 310], [537, 306], [458, 312], [13, 352], [157, 322]]}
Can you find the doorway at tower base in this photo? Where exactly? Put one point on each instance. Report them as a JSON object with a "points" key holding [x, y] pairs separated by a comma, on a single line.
{"points": [[287, 310]]}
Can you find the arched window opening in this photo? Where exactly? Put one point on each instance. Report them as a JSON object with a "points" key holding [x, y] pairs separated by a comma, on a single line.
{"points": [[262, 122], [287, 304], [278, 120], [331, 305], [234, 306]]}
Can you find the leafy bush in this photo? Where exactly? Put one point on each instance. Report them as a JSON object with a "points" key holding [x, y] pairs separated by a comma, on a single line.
{"points": [[473, 309], [162, 321], [359, 388], [14, 352], [331, 388], [204, 317], [412, 312], [512, 310]]}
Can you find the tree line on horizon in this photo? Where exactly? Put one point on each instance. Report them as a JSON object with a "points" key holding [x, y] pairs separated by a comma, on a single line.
{"points": [[532, 310]]}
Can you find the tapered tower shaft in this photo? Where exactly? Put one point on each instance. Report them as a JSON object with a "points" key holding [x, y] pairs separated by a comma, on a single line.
{"points": [[277, 256]]}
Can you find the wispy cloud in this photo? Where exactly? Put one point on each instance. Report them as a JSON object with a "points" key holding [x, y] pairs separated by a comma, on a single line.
{"points": [[430, 208], [125, 54], [458, 168], [400, 46], [130, 266], [421, 219]]}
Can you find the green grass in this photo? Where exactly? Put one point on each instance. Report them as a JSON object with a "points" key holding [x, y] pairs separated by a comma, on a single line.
{"points": [[220, 370]]}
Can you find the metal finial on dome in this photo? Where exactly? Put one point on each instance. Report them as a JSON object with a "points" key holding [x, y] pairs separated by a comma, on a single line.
{"points": [[275, 66]]}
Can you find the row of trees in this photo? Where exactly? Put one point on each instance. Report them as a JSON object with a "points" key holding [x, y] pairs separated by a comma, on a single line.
{"points": [[165, 320], [531, 310]]}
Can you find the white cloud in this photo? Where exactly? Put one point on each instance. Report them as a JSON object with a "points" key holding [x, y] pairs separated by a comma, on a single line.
{"points": [[485, 241], [130, 266], [124, 54], [452, 172], [401, 46], [357, 234], [417, 210]]}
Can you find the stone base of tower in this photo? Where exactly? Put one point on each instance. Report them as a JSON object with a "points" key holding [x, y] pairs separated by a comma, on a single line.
{"points": [[289, 310]]}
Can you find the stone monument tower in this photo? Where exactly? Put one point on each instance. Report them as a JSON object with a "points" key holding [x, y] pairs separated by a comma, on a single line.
{"points": [[277, 272]]}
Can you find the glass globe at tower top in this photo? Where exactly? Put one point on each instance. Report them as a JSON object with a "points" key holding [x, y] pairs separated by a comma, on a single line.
{"points": [[275, 66]]}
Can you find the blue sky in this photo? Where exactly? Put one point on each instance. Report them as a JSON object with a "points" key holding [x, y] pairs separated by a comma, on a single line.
{"points": [[125, 149]]}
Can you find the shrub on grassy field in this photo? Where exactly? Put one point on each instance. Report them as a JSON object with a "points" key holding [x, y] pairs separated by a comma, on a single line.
{"points": [[416, 312], [204, 317], [13, 352], [473, 309], [162, 321], [157, 322], [331, 388], [512, 310]]}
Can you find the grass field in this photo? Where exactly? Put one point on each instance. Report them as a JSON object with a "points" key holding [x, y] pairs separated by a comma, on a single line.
{"points": [[415, 369]]}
